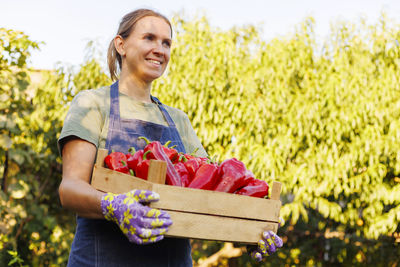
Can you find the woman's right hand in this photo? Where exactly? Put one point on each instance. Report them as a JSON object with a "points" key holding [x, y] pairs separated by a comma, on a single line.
{"points": [[139, 223]]}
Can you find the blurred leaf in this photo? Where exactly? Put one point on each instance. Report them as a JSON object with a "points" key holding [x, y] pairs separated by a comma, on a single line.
{"points": [[5, 141], [19, 190]]}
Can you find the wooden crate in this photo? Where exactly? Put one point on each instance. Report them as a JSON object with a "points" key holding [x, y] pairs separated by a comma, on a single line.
{"points": [[196, 213]]}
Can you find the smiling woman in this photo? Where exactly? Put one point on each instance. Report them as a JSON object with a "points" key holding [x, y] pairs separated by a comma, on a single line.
{"points": [[113, 228], [128, 24], [145, 54]]}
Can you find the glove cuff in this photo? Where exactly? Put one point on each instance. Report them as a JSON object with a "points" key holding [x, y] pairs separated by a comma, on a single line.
{"points": [[107, 208]]}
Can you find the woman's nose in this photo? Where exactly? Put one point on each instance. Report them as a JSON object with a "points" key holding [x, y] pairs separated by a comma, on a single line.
{"points": [[159, 49]]}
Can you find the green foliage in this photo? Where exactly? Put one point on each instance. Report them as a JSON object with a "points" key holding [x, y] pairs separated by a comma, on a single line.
{"points": [[16, 260], [322, 119], [15, 48], [34, 227], [91, 73]]}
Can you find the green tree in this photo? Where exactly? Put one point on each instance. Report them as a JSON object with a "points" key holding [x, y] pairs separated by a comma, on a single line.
{"points": [[34, 228], [323, 120]]}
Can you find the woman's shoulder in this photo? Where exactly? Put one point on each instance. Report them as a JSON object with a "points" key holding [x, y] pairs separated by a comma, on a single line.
{"points": [[176, 112], [93, 97], [97, 93]]}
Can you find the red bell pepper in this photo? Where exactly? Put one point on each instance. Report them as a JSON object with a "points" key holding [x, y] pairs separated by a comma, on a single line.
{"points": [[233, 176], [142, 168], [255, 188], [157, 152], [171, 152], [117, 161], [179, 158], [134, 158], [183, 173], [192, 166], [189, 157], [206, 177], [248, 177], [203, 160], [192, 155]]}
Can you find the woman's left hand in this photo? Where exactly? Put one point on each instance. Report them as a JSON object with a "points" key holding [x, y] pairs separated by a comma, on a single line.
{"points": [[268, 244]]}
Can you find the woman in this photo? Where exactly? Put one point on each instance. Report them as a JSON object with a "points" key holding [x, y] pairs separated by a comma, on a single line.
{"points": [[113, 118]]}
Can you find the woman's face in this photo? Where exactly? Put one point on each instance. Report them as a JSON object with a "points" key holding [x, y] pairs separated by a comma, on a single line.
{"points": [[146, 51]]}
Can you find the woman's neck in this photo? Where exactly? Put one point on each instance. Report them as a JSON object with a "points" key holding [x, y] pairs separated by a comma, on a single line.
{"points": [[134, 88]]}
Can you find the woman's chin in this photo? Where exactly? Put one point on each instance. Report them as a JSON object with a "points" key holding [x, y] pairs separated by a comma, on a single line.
{"points": [[151, 76]]}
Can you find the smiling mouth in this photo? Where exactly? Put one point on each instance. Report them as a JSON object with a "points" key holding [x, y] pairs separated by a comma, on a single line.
{"points": [[154, 61]]}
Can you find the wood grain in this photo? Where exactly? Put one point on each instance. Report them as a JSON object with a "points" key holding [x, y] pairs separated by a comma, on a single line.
{"points": [[189, 199], [218, 228], [196, 213], [157, 171], [276, 190], [107, 180], [101, 155], [217, 203]]}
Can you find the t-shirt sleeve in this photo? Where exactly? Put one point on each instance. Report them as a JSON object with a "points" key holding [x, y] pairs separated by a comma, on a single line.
{"points": [[84, 120]]}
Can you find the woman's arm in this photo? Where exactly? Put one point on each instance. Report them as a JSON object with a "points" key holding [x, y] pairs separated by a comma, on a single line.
{"points": [[75, 191]]}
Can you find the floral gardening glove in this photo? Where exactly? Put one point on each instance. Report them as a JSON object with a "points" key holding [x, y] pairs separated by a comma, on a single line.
{"points": [[140, 224], [267, 245]]}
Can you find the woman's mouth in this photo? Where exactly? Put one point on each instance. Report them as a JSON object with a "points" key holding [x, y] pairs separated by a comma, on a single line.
{"points": [[156, 62]]}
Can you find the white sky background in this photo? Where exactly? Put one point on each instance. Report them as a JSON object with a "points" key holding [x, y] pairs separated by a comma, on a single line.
{"points": [[66, 26]]}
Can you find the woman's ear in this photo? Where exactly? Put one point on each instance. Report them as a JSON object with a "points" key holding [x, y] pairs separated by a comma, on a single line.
{"points": [[119, 45]]}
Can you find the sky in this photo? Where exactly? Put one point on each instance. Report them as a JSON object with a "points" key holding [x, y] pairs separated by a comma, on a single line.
{"points": [[66, 27]]}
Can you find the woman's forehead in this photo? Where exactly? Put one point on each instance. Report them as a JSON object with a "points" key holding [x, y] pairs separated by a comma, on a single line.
{"points": [[154, 25]]}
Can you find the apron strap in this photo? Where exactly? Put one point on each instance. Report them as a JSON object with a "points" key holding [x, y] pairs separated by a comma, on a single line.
{"points": [[114, 101], [165, 113], [171, 124], [114, 120]]}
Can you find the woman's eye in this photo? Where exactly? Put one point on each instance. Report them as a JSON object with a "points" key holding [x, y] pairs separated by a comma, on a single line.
{"points": [[149, 37], [167, 44]]}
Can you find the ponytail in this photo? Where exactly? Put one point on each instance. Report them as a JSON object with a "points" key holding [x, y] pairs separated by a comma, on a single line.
{"points": [[113, 57]]}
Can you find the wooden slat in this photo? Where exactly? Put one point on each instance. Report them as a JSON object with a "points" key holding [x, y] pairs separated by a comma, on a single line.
{"points": [[107, 180], [157, 171], [199, 226], [276, 190], [217, 203], [101, 155], [189, 199]]}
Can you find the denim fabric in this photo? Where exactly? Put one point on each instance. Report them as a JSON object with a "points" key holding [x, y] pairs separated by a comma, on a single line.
{"points": [[124, 133], [100, 242]]}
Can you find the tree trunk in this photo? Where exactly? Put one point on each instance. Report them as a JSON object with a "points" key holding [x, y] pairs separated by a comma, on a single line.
{"points": [[4, 182]]}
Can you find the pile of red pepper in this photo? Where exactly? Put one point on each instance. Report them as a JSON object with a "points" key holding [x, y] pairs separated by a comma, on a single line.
{"points": [[187, 170]]}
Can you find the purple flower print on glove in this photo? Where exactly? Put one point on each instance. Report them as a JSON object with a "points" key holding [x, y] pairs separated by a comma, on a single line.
{"points": [[139, 223]]}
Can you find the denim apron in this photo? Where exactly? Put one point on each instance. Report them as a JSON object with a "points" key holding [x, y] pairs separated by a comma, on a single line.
{"points": [[101, 242]]}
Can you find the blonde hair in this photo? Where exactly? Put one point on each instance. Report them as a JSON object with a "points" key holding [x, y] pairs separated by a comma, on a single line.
{"points": [[125, 28]]}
